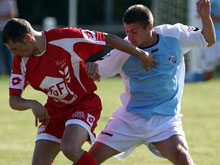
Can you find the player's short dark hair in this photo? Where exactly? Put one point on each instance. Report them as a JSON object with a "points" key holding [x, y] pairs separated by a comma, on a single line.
{"points": [[138, 14], [15, 30]]}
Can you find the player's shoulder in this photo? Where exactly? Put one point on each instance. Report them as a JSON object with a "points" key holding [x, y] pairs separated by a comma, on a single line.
{"points": [[59, 33], [174, 30]]}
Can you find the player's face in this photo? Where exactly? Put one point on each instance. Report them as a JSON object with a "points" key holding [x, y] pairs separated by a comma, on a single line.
{"points": [[137, 34], [23, 49]]}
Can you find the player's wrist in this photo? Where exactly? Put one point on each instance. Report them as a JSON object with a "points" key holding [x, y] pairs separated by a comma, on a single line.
{"points": [[205, 17], [141, 54]]}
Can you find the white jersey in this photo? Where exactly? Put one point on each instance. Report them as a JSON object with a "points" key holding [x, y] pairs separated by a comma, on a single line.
{"points": [[160, 90]]}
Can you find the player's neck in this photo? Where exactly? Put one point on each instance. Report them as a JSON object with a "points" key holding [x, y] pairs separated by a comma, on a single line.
{"points": [[151, 40], [40, 43]]}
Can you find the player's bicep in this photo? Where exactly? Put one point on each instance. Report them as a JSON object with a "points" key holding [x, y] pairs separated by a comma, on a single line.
{"points": [[91, 43]]}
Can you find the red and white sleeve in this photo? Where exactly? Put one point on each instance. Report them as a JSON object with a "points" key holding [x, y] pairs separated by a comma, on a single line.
{"points": [[17, 81]]}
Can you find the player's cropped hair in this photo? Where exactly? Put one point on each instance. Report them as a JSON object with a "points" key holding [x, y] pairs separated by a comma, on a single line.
{"points": [[138, 14], [15, 30]]}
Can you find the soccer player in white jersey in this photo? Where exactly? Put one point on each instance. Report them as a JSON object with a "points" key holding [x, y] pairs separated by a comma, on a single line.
{"points": [[53, 63], [150, 113]]}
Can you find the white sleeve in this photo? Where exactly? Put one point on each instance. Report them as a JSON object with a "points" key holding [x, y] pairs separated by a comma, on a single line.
{"points": [[112, 63], [190, 37]]}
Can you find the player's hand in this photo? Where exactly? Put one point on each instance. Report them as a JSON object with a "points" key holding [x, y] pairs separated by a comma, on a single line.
{"points": [[147, 60], [203, 8], [40, 112], [93, 71]]}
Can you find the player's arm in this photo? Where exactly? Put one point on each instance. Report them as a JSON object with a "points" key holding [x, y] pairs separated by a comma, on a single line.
{"points": [[204, 11], [18, 103], [120, 44]]}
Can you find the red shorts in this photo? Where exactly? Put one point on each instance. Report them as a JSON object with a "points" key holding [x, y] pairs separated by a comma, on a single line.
{"points": [[85, 114]]}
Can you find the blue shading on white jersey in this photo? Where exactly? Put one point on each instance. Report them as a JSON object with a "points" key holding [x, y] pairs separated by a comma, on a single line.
{"points": [[159, 86], [215, 10], [160, 90]]}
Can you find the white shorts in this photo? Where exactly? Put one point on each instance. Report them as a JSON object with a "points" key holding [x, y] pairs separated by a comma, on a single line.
{"points": [[125, 131], [209, 57]]}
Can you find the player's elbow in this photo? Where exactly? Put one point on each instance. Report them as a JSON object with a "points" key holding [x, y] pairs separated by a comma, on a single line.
{"points": [[13, 102], [210, 43], [12, 105]]}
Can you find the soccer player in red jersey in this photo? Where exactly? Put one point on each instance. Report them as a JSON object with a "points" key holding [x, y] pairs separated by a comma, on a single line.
{"points": [[53, 62]]}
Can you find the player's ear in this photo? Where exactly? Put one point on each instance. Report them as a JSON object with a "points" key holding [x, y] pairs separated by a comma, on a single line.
{"points": [[28, 37], [150, 26]]}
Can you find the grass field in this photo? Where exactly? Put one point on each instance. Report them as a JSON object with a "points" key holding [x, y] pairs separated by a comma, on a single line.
{"points": [[200, 106]]}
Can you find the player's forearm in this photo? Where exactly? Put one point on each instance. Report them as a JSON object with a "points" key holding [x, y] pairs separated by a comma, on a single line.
{"points": [[18, 103], [208, 30], [120, 44]]}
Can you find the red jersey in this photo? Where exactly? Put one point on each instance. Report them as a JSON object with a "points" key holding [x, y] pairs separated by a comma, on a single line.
{"points": [[59, 71]]}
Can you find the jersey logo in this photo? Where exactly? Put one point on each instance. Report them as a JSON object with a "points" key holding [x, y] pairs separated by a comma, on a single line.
{"points": [[16, 81], [172, 59], [90, 119], [192, 28], [78, 114], [58, 89], [89, 35]]}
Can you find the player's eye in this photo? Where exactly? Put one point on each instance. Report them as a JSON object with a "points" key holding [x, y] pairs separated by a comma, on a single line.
{"points": [[135, 32]]}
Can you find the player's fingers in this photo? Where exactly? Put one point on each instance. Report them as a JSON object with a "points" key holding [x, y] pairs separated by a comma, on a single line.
{"points": [[155, 62], [153, 65], [48, 117], [88, 69], [95, 71], [43, 118], [91, 70], [96, 77], [36, 121], [147, 69]]}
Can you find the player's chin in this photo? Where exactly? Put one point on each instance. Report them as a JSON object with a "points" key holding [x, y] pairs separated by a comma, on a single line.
{"points": [[134, 43]]}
